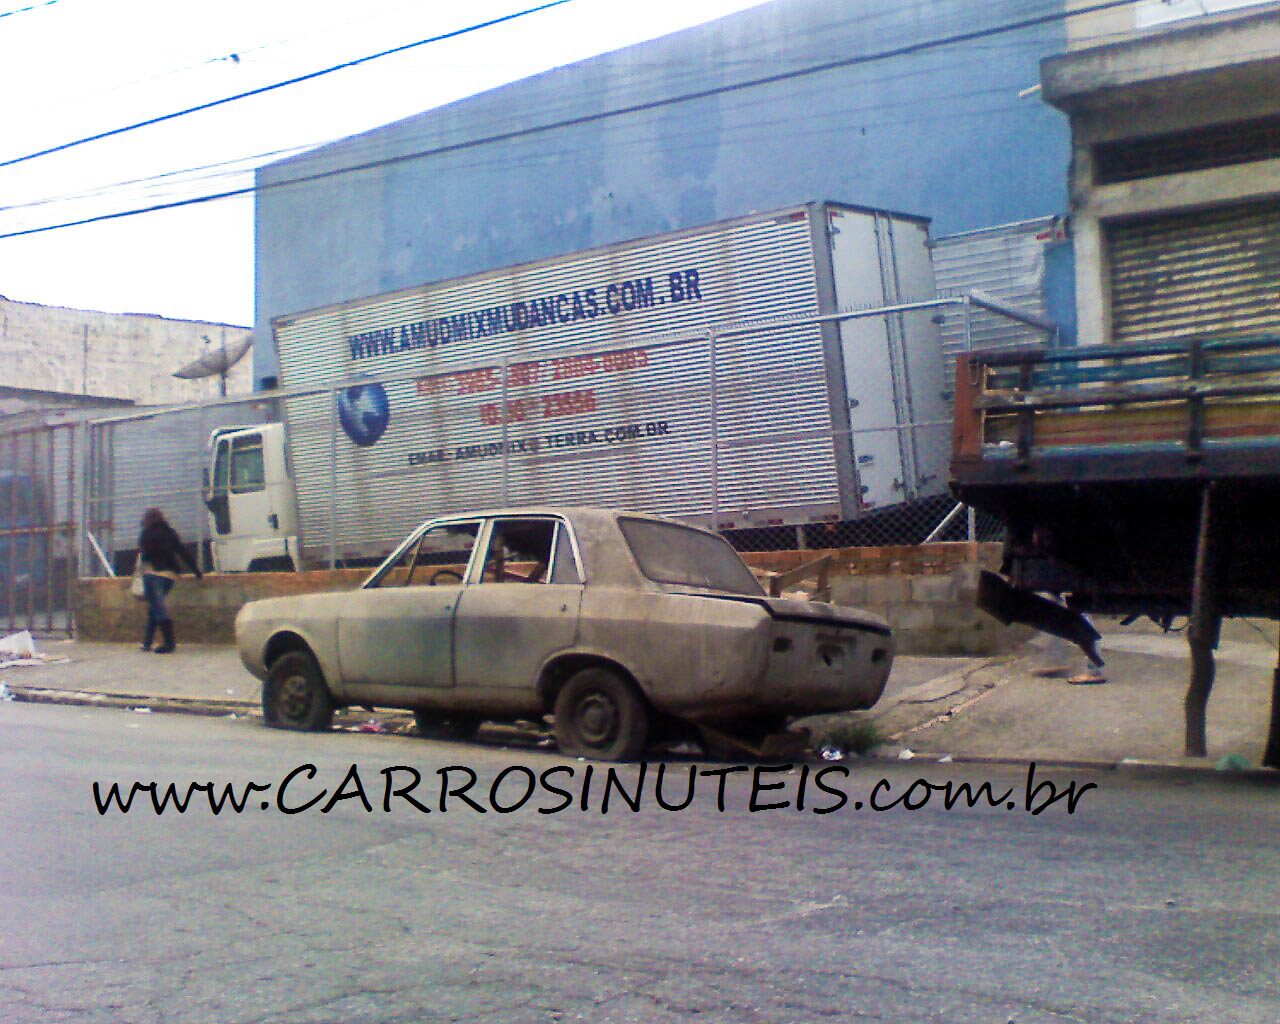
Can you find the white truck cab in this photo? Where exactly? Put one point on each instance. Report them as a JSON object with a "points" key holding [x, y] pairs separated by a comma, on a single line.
{"points": [[253, 515]]}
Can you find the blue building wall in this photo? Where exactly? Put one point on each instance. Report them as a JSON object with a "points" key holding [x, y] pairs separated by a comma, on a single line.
{"points": [[942, 133]]}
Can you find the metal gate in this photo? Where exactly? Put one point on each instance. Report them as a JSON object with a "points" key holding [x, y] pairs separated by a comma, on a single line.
{"points": [[1202, 273], [38, 566]]}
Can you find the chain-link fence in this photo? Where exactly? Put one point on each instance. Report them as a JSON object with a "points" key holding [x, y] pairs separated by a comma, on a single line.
{"points": [[158, 458], [812, 432], [928, 520]]}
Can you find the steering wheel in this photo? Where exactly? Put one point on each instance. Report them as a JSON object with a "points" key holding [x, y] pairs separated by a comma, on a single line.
{"points": [[444, 572]]}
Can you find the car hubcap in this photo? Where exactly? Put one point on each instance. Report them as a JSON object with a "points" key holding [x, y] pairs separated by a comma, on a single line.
{"points": [[597, 719], [295, 697]]}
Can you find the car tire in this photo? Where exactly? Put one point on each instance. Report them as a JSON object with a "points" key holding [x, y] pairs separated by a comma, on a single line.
{"points": [[295, 695], [600, 715], [447, 725]]}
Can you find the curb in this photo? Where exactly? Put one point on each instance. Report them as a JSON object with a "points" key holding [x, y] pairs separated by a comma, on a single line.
{"points": [[1141, 769], [209, 707], [216, 708]]}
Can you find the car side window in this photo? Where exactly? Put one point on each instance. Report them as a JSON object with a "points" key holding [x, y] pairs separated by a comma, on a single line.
{"points": [[566, 567], [439, 559], [519, 551]]}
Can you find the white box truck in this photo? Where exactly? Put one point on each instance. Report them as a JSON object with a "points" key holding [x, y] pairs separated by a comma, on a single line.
{"points": [[698, 374]]}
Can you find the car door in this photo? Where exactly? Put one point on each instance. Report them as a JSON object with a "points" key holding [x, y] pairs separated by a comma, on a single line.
{"points": [[398, 631], [522, 606]]}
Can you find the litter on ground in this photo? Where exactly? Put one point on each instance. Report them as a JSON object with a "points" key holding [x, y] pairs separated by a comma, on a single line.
{"points": [[19, 649]]}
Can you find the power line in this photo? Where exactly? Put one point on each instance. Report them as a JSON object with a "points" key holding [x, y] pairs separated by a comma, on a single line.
{"points": [[279, 85], [507, 136], [29, 7], [816, 32], [240, 55], [236, 166]]}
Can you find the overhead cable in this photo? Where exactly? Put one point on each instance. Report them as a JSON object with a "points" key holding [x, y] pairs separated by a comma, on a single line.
{"points": [[29, 7], [279, 85], [907, 49]]}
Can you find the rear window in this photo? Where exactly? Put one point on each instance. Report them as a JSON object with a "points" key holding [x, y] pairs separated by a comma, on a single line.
{"points": [[667, 553]]}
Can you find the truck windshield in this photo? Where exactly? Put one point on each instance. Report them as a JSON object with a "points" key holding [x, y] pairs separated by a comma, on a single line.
{"points": [[668, 553]]}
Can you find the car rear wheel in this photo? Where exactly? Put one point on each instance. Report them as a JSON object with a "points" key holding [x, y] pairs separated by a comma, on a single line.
{"points": [[295, 695], [598, 714]]}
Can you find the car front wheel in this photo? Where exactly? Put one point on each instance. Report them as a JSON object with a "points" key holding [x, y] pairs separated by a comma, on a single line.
{"points": [[295, 695], [598, 714]]}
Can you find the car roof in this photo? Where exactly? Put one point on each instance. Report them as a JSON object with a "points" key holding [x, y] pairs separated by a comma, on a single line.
{"points": [[574, 513], [606, 555]]}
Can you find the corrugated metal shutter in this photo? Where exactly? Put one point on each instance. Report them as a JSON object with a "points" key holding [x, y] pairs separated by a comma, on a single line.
{"points": [[1210, 272]]}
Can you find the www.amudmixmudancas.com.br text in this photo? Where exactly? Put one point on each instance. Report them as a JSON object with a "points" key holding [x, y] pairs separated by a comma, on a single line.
{"points": [[585, 788]]}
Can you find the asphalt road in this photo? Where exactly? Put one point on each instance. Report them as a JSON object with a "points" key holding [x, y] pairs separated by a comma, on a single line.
{"points": [[1157, 900]]}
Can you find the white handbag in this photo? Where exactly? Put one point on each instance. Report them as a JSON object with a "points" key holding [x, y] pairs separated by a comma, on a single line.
{"points": [[136, 587]]}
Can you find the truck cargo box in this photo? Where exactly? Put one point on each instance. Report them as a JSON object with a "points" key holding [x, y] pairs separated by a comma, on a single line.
{"points": [[691, 374]]}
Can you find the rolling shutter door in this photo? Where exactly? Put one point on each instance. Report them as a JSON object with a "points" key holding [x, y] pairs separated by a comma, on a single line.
{"points": [[1210, 272]]}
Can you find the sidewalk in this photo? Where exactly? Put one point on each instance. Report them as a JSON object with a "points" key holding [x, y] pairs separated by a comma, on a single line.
{"points": [[196, 678], [1005, 710], [965, 708]]}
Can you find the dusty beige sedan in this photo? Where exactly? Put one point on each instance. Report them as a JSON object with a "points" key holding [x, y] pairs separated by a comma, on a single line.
{"points": [[624, 627]]}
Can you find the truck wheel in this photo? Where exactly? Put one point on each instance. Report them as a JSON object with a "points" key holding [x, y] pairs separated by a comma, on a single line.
{"points": [[295, 695], [600, 715], [447, 725]]}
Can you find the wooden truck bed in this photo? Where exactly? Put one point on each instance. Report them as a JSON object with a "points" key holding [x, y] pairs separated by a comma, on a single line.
{"points": [[1132, 480], [1097, 460], [1195, 409]]}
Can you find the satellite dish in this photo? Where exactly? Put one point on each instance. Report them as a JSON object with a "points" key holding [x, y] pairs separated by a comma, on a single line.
{"points": [[216, 361]]}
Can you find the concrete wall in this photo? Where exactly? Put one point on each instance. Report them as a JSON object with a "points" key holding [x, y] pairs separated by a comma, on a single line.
{"points": [[1194, 73], [925, 592], [941, 133], [110, 355], [1099, 28], [204, 611]]}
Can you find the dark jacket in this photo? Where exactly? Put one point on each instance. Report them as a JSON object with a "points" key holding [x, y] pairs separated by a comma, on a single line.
{"points": [[161, 548]]}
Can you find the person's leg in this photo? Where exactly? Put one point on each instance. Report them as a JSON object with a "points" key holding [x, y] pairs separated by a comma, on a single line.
{"points": [[155, 607], [165, 623]]}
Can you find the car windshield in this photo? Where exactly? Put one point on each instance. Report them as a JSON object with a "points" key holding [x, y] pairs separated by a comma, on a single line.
{"points": [[668, 553], [436, 557]]}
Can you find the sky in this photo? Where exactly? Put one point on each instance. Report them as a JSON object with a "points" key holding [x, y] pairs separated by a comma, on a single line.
{"points": [[75, 68]]}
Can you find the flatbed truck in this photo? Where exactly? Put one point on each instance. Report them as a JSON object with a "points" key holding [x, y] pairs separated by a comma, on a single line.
{"points": [[1132, 480]]}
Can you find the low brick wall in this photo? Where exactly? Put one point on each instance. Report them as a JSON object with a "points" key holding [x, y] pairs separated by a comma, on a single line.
{"points": [[204, 611], [925, 592]]}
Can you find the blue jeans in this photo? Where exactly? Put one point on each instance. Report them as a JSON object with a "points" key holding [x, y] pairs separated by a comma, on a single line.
{"points": [[155, 588]]}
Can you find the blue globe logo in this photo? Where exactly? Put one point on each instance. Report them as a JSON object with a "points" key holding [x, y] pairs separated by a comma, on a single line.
{"points": [[364, 412]]}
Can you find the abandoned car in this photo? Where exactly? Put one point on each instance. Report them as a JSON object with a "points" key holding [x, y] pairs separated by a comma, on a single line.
{"points": [[623, 627]]}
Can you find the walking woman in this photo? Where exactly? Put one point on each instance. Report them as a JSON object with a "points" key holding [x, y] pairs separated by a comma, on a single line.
{"points": [[161, 551]]}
